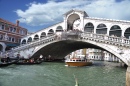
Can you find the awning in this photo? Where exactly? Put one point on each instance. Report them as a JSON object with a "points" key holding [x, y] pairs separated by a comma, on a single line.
{"points": [[12, 45]]}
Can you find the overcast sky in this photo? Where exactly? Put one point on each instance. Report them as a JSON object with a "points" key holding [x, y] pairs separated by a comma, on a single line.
{"points": [[39, 14]]}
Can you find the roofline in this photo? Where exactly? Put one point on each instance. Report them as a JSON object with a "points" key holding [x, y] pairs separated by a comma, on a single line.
{"points": [[105, 19], [5, 21]]}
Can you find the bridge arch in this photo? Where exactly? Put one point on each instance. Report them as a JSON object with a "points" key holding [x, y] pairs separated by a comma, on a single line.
{"points": [[115, 30], [24, 41], [59, 49], [50, 32], [127, 33], [89, 27], [70, 20], [59, 29], [36, 37], [101, 29], [29, 39], [43, 34]]}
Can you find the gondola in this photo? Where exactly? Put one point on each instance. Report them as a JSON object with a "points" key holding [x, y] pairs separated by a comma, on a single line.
{"points": [[29, 63], [5, 64]]}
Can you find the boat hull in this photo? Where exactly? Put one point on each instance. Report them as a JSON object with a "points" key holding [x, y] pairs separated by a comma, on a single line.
{"points": [[79, 63]]}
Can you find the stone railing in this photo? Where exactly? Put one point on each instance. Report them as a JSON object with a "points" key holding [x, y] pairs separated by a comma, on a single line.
{"points": [[106, 39], [34, 43]]}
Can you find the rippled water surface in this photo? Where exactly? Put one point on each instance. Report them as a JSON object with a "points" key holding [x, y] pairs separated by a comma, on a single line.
{"points": [[57, 74]]}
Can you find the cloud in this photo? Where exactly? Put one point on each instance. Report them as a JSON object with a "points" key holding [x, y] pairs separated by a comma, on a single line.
{"points": [[52, 11]]}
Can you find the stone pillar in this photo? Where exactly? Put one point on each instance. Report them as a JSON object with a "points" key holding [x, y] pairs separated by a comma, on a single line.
{"points": [[128, 76]]}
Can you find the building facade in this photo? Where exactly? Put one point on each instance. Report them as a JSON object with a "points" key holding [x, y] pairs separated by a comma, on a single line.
{"points": [[10, 34], [94, 54]]}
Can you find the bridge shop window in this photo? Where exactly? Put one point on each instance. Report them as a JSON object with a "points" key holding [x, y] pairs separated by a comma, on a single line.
{"points": [[89, 27], [36, 37], [115, 30], [24, 41], [127, 33], [43, 34], [50, 32], [101, 29], [59, 29], [29, 40]]}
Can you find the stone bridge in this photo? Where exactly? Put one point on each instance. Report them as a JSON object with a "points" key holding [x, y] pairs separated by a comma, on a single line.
{"points": [[67, 42]]}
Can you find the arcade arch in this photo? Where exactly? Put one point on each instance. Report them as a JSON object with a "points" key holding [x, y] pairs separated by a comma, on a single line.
{"points": [[89, 27], [36, 37], [59, 29], [50, 32], [101, 29], [43, 34], [24, 41], [70, 21], [1, 47], [29, 39], [115, 30], [127, 33]]}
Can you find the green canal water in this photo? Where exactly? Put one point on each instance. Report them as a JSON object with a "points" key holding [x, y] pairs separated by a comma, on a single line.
{"points": [[57, 74]]}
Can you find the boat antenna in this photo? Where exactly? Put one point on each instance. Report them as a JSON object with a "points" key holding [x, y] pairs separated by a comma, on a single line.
{"points": [[76, 81]]}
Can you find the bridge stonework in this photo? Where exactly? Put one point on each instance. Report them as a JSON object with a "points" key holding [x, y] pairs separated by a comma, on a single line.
{"points": [[59, 40]]}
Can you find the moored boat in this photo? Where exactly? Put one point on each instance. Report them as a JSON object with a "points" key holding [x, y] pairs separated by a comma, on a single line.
{"points": [[5, 64], [29, 62], [78, 62]]}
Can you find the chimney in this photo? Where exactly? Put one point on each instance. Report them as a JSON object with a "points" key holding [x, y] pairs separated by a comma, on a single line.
{"points": [[17, 22]]}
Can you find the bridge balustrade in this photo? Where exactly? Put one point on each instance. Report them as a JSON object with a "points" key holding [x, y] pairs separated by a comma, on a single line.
{"points": [[34, 43], [107, 39]]}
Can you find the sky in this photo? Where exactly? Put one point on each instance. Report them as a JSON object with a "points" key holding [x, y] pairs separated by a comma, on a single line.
{"points": [[35, 15]]}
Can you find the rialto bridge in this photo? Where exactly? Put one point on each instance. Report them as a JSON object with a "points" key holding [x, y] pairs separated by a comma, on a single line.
{"points": [[78, 31], [108, 30]]}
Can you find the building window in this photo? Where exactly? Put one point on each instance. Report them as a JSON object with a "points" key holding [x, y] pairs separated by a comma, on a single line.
{"points": [[3, 27], [13, 40], [19, 40], [9, 39], [11, 29], [14, 30]]}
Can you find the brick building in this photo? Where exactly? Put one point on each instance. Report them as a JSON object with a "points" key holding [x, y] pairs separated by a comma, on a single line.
{"points": [[10, 34]]}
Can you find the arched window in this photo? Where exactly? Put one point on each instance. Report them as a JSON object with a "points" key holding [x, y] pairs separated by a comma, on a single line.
{"points": [[36, 37], [50, 32], [101, 29], [89, 27], [115, 30], [59, 29], [127, 33], [29, 39], [43, 34], [13, 39], [3, 27], [1, 47], [24, 41]]}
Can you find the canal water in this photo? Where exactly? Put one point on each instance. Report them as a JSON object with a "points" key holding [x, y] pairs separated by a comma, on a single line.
{"points": [[57, 74]]}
